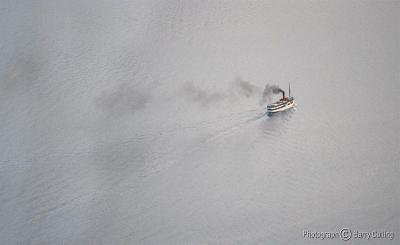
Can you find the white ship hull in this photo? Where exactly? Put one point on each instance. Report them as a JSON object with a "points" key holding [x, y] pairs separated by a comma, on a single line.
{"points": [[278, 107], [288, 106]]}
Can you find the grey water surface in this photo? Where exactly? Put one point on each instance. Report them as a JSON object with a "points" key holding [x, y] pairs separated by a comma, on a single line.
{"points": [[143, 122]]}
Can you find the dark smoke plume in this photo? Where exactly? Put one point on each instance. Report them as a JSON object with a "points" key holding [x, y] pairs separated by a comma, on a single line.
{"points": [[269, 90], [238, 87], [204, 97], [245, 88], [124, 99]]}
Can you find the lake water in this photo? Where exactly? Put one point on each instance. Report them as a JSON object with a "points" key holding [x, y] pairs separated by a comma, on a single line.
{"points": [[140, 122]]}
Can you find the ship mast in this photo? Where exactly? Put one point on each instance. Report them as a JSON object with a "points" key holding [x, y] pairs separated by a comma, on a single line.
{"points": [[289, 90]]}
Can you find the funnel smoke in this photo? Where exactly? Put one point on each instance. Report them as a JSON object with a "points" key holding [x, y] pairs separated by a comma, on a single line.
{"points": [[270, 90]]}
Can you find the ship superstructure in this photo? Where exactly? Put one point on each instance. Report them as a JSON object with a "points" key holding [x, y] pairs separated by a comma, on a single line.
{"points": [[283, 104]]}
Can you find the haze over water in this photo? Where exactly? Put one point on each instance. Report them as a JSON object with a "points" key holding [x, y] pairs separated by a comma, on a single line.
{"points": [[139, 122]]}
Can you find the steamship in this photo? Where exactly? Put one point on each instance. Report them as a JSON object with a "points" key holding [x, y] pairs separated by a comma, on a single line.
{"points": [[285, 103]]}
